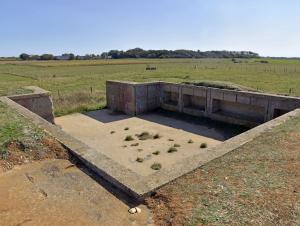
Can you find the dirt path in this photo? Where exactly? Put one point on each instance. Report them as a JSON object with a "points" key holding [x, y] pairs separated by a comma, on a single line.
{"points": [[55, 192]]}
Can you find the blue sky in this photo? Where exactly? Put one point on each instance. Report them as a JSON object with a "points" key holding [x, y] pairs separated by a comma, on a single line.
{"points": [[269, 27]]}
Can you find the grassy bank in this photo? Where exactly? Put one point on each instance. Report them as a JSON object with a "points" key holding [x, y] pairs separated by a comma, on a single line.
{"points": [[80, 85], [21, 142], [257, 184]]}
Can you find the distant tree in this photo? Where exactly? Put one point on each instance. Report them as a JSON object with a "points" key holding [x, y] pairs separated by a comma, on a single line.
{"points": [[35, 57], [115, 54], [24, 56], [72, 56], [46, 57], [69, 56]]}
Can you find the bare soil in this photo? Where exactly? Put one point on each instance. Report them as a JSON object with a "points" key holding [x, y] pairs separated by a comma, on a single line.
{"points": [[19, 153]]}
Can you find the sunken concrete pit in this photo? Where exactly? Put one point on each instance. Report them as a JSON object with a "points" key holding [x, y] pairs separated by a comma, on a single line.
{"points": [[153, 133], [138, 142]]}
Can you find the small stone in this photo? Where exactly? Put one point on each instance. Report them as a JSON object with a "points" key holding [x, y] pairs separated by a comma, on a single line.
{"points": [[135, 210]]}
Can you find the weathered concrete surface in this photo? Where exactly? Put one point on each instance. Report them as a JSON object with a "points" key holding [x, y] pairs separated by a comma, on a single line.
{"points": [[39, 102], [132, 98], [121, 97], [94, 129], [236, 107], [55, 192]]}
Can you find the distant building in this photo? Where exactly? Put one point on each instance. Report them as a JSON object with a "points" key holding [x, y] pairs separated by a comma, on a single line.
{"points": [[63, 57]]}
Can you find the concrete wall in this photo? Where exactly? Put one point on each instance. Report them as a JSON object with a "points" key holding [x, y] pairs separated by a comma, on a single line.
{"points": [[39, 102], [237, 107], [132, 98], [120, 96]]}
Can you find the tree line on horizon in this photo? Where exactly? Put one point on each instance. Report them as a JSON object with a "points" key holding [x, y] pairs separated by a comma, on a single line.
{"points": [[140, 53]]}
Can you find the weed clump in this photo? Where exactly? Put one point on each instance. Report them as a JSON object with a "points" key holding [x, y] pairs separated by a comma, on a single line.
{"points": [[126, 128], [156, 166], [203, 145], [190, 141], [129, 138], [112, 132], [156, 136], [144, 136], [156, 152], [172, 149], [176, 145], [140, 160], [135, 144]]}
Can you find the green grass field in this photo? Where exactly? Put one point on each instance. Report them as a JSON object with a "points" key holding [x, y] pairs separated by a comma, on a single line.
{"points": [[80, 85]]}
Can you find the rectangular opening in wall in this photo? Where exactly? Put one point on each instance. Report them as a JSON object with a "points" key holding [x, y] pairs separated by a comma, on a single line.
{"points": [[194, 102], [171, 98], [239, 111], [279, 112]]}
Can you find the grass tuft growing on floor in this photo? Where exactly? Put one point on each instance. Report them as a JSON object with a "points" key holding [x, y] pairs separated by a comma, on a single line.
{"points": [[129, 138], [172, 149], [156, 166]]}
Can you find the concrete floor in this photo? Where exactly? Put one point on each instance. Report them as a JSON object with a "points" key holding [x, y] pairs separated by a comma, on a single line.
{"points": [[55, 192], [95, 129]]}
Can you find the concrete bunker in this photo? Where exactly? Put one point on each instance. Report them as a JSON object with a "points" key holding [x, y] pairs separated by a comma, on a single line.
{"points": [[173, 111]]}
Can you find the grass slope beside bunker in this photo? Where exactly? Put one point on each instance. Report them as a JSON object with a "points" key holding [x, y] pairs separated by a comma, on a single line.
{"points": [[80, 85], [21, 142], [257, 184]]}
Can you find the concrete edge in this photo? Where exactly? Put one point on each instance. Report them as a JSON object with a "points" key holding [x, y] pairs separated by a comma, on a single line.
{"points": [[228, 90], [37, 92]]}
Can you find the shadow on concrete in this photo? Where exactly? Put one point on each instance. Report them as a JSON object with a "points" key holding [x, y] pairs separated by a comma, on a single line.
{"points": [[198, 125], [128, 200], [106, 116]]}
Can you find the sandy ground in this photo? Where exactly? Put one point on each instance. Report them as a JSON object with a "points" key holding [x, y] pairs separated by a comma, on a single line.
{"points": [[95, 129], [55, 192]]}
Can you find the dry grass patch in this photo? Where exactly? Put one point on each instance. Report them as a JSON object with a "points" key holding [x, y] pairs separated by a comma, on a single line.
{"points": [[190, 141], [156, 152], [135, 144], [156, 136], [144, 136], [129, 138], [156, 166], [203, 145], [172, 150], [140, 160]]}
